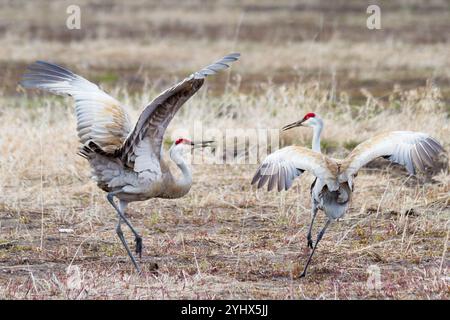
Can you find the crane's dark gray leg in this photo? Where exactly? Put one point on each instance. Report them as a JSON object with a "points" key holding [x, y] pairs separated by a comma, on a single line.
{"points": [[313, 217], [124, 242], [319, 237], [138, 238]]}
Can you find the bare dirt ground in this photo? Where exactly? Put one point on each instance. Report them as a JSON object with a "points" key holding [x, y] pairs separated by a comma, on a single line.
{"points": [[225, 239]]}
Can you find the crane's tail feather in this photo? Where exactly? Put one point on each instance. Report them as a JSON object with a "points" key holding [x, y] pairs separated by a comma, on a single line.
{"points": [[90, 149], [335, 203], [221, 64]]}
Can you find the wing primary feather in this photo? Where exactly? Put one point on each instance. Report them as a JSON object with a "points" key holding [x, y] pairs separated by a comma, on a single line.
{"points": [[286, 180], [262, 181], [416, 159], [433, 151], [424, 155], [436, 144], [100, 118], [282, 179], [414, 150], [257, 176], [272, 181], [157, 115]]}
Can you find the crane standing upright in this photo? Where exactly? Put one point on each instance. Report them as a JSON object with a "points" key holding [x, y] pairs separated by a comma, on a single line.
{"points": [[332, 188], [127, 162]]}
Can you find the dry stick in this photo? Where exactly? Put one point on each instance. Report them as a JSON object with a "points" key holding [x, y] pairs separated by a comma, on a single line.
{"points": [[78, 249], [405, 228], [395, 194], [382, 198], [338, 243], [294, 236], [41, 188], [371, 246], [196, 264], [33, 281], [408, 245], [444, 251], [238, 260], [232, 205], [236, 36]]}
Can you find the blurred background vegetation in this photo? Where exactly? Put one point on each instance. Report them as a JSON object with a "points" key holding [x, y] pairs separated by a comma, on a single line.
{"points": [[126, 43]]}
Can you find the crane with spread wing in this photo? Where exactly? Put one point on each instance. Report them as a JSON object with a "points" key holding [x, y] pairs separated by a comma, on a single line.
{"points": [[127, 161], [332, 188]]}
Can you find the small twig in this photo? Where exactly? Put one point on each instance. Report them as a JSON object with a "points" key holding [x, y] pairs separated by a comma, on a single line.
{"points": [[444, 252], [196, 264], [372, 245]]}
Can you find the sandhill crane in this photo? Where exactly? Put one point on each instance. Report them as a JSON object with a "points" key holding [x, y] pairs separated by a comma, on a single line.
{"points": [[332, 188], [127, 162]]}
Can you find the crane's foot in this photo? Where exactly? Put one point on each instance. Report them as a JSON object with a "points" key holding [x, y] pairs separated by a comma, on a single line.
{"points": [[303, 275], [310, 242], [138, 241]]}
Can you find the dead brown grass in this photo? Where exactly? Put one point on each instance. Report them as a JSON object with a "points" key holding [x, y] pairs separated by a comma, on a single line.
{"points": [[224, 239]]}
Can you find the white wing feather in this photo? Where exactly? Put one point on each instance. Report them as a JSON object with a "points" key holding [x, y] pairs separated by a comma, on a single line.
{"points": [[100, 118], [104, 125], [283, 166], [155, 118], [414, 150]]}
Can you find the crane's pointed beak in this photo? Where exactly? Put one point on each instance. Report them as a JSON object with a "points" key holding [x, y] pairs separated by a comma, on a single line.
{"points": [[293, 125], [202, 144]]}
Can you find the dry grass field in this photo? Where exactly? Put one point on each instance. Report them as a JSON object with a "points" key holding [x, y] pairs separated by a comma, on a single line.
{"points": [[225, 239]]}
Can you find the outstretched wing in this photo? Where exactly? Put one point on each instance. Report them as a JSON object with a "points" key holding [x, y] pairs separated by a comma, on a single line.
{"points": [[100, 118], [156, 117], [284, 165], [414, 150]]}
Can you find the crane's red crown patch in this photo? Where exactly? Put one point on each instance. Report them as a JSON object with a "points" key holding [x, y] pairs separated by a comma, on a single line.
{"points": [[182, 140], [309, 115]]}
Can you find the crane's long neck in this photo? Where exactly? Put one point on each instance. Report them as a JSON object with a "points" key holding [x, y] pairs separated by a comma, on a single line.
{"points": [[181, 186], [186, 180], [316, 138]]}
